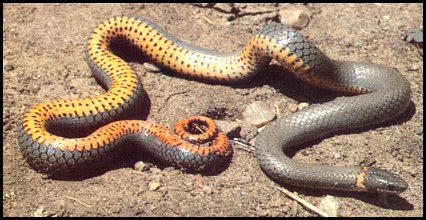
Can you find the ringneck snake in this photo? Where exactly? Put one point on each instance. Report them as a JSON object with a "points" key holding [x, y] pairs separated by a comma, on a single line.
{"points": [[382, 94]]}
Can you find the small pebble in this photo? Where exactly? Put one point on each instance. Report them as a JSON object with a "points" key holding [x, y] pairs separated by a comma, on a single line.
{"points": [[337, 156], [302, 106], [296, 18], [292, 107], [141, 166], [8, 67], [330, 205], [413, 67], [258, 114], [154, 186]]}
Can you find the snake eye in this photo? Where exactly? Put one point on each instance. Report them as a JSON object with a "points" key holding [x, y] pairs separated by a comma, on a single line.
{"points": [[391, 188]]}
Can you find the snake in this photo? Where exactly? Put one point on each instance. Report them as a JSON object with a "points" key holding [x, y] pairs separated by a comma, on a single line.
{"points": [[378, 94]]}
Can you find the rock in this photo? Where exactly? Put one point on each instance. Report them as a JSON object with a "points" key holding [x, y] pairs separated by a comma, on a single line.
{"points": [[302, 106], [337, 156], [413, 67], [292, 107], [8, 67], [141, 166], [330, 205], [296, 18], [154, 186], [258, 114]]}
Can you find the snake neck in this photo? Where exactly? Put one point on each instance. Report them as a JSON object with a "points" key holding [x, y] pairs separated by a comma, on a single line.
{"points": [[308, 63]]}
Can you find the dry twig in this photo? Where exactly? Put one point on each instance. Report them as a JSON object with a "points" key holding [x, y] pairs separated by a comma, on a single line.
{"points": [[77, 201], [303, 202]]}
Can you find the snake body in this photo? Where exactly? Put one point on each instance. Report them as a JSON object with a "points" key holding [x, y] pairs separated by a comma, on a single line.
{"points": [[384, 94]]}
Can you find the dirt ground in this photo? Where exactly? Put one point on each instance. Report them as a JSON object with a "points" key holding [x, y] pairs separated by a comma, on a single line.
{"points": [[43, 55]]}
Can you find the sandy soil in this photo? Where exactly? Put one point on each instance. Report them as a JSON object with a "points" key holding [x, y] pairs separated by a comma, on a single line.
{"points": [[43, 47]]}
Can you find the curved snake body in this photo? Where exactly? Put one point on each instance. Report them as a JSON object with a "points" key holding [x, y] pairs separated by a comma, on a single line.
{"points": [[384, 94]]}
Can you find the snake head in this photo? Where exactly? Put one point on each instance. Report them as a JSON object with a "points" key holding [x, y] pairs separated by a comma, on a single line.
{"points": [[378, 180]]}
